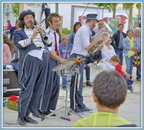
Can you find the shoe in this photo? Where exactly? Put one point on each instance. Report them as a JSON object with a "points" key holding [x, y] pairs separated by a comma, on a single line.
{"points": [[88, 84], [130, 88], [49, 112], [78, 111], [21, 121], [130, 82], [86, 109], [30, 120], [38, 114], [64, 87], [138, 79]]}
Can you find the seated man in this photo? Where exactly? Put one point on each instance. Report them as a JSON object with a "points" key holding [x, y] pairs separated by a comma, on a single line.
{"points": [[109, 92]]}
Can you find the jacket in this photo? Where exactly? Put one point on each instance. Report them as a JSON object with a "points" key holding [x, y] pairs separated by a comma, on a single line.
{"points": [[126, 45], [116, 37]]}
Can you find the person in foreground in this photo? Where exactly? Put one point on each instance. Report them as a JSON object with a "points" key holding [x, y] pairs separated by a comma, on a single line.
{"points": [[109, 92]]}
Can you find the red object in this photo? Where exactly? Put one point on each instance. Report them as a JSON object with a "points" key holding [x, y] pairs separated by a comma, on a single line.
{"points": [[105, 19], [122, 18], [82, 19], [65, 118], [69, 119], [13, 98], [77, 62], [118, 68], [56, 46]]}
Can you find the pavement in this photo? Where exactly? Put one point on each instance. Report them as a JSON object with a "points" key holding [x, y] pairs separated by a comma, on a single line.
{"points": [[130, 110]]}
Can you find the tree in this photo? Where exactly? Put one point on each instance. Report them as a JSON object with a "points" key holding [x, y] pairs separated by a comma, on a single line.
{"points": [[110, 6], [56, 7], [130, 7], [15, 9]]}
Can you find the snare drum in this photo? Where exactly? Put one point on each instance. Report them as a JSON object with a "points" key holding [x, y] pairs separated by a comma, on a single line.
{"points": [[68, 68]]}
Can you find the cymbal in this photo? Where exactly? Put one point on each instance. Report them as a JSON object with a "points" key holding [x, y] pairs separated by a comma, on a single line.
{"points": [[76, 59], [63, 65]]}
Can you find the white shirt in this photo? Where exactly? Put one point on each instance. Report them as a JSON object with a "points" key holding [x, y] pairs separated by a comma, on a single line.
{"points": [[81, 40], [50, 33], [38, 42], [108, 54]]}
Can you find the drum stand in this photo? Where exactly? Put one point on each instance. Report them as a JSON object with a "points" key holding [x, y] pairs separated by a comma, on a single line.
{"points": [[68, 110]]}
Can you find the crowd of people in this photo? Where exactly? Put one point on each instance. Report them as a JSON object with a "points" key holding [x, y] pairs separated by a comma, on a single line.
{"points": [[37, 57]]}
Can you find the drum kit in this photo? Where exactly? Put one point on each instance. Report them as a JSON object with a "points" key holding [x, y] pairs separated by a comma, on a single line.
{"points": [[68, 69]]}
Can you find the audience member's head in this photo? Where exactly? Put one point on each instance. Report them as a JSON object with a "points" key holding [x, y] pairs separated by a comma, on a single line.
{"points": [[120, 27], [76, 26], [109, 89], [8, 21], [137, 32], [129, 33], [64, 40], [7, 41], [100, 24], [114, 60], [17, 24], [108, 41]]}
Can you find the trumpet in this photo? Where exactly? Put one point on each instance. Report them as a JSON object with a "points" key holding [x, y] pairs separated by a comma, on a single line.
{"points": [[105, 31], [43, 35]]}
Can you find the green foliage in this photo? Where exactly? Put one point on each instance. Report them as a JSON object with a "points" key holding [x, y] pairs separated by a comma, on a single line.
{"points": [[66, 32], [15, 9], [138, 5], [130, 5], [109, 6]]}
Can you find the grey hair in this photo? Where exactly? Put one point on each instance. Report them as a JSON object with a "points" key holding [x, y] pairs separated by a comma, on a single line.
{"points": [[137, 28], [63, 37]]}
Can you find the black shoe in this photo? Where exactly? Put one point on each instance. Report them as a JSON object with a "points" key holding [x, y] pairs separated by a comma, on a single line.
{"points": [[86, 109], [38, 114], [30, 120], [130, 88], [88, 84], [64, 87], [49, 112], [138, 79], [21, 121]]}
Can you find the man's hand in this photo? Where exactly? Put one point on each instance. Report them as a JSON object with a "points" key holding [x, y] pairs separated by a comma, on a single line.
{"points": [[100, 47], [35, 32], [61, 60], [55, 57]]}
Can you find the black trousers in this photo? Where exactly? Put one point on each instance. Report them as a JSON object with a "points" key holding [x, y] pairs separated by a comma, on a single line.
{"points": [[87, 69]]}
